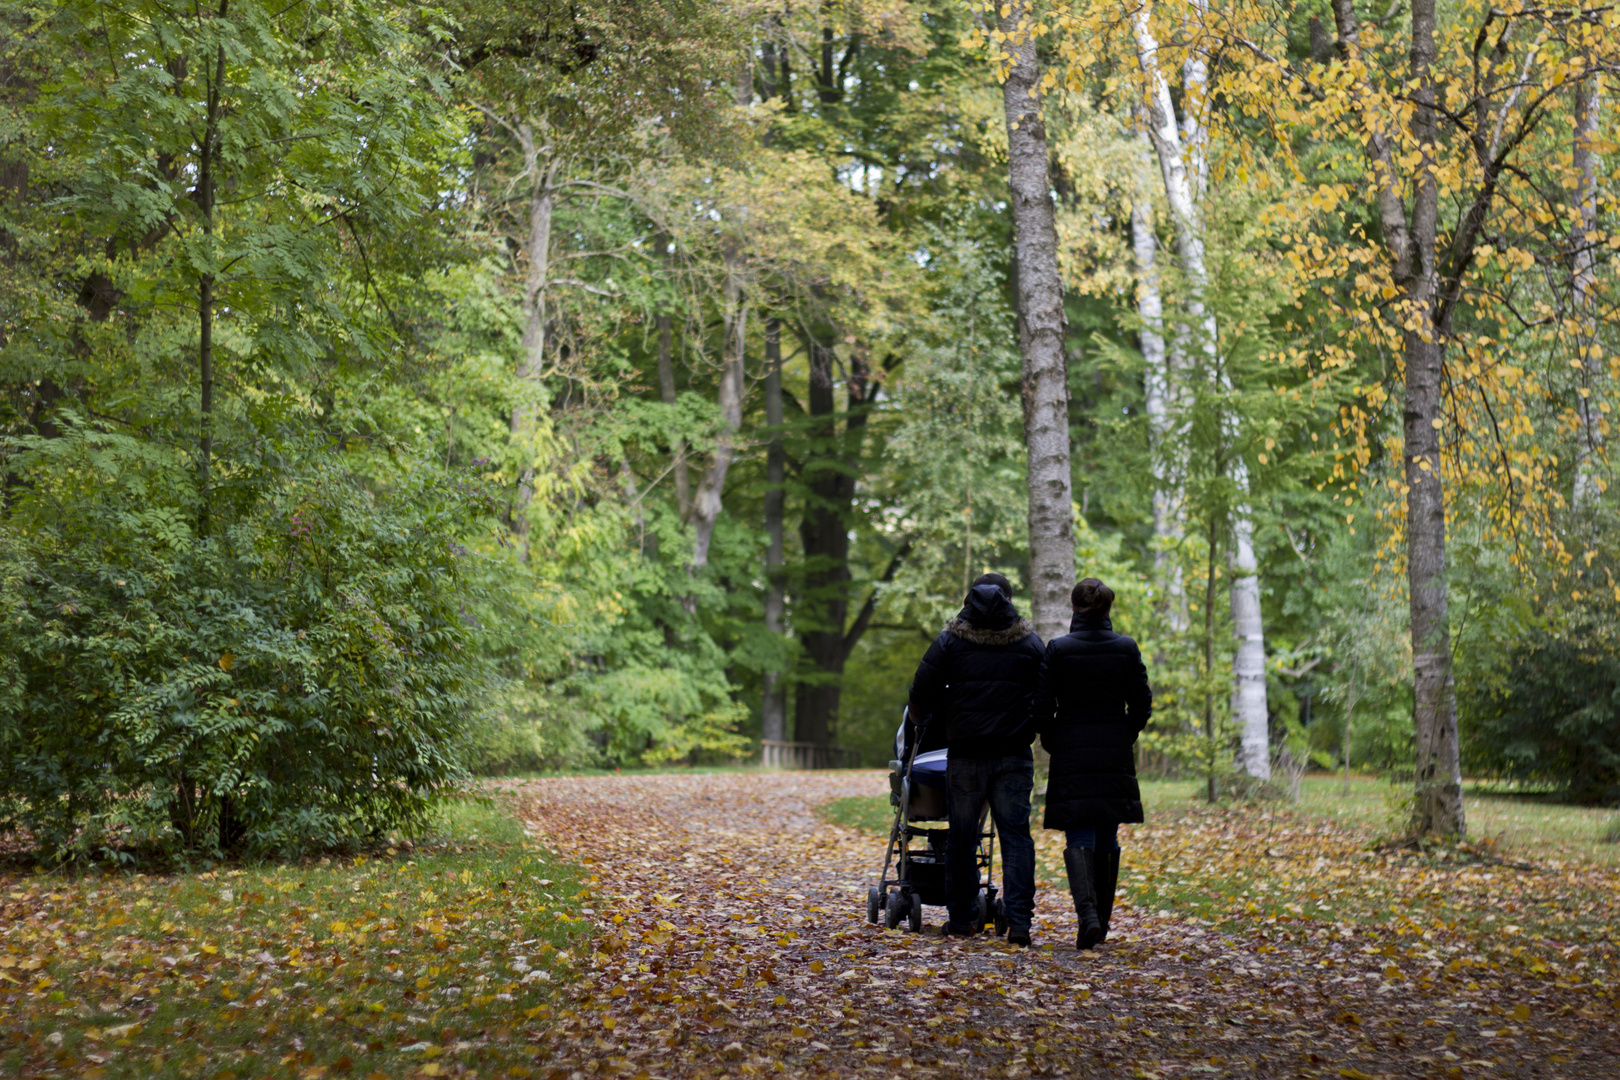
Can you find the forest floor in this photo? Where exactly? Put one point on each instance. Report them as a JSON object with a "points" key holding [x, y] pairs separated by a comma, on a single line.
{"points": [[691, 926], [1250, 941]]}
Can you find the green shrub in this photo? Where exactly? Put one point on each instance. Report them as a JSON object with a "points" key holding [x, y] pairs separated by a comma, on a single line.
{"points": [[529, 730], [1554, 718], [294, 668]]}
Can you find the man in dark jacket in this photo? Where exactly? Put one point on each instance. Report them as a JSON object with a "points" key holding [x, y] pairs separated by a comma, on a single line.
{"points": [[1092, 702], [977, 679]]}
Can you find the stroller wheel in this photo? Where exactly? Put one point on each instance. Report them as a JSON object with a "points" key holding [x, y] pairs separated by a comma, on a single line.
{"points": [[895, 910], [914, 915], [983, 916], [874, 904], [1001, 918]]}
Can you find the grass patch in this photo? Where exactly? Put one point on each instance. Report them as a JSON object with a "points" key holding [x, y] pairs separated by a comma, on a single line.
{"points": [[416, 960], [870, 813]]}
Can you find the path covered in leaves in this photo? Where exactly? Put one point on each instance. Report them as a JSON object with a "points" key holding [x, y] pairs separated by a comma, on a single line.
{"points": [[732, 941]]}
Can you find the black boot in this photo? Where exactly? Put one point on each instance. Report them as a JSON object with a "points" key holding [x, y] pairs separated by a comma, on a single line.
{"points": [[1105, 879], [1079, 862]]}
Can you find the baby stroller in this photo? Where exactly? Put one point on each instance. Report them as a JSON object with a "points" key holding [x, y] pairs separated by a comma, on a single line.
{"points": [[917, 792]]}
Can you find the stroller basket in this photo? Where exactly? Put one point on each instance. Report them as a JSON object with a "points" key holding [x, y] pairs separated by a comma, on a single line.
{"points": [[918, 792]]}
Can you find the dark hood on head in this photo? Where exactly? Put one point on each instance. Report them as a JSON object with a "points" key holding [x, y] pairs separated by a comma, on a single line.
{"points": [[987, 608]]}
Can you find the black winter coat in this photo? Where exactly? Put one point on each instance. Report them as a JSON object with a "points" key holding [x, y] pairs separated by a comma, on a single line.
{"points": [[1092, 702], [978, 679]]}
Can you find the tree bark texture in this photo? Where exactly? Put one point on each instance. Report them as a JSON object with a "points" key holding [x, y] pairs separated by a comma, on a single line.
{"points": [[1249, 662], [706, 505], [774, 711], [1439, 807], [541, 170], [207, 181], [823, 607], [1591, 390], [1040, 305]]}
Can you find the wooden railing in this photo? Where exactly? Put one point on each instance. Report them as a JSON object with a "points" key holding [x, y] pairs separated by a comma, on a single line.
{"points": [[803, 755]]}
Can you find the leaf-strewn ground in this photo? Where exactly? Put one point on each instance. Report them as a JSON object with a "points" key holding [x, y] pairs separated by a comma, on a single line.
{"points": [[732, 941], [414, 962]]}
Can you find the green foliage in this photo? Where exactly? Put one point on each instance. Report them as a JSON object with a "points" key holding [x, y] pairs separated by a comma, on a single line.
{"points": [[1557, 720], [297, 678], [240, 614]]}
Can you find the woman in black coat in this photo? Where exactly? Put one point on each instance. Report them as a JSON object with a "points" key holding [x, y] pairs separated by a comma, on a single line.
{"points": [[1091, 703]]}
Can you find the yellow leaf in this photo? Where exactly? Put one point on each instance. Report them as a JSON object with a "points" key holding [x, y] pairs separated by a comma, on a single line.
{"points": [[609, 1023], [1354, 1074], [339, 927], [227, 661], [816, 965], [781, 999], [1521, 1012]]}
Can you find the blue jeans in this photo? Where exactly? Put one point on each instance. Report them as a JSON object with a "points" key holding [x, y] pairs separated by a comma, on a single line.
{"points": [[1097, 837], [1005, 783]]}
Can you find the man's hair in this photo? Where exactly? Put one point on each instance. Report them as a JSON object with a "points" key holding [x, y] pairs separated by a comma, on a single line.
{"points": [[1092, 597], [998, 580]]}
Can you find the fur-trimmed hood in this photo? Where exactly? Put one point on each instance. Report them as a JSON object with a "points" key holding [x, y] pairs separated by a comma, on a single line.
{"points": [[1018, 631]]}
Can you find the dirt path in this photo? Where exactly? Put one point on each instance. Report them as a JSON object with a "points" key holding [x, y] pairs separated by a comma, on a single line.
{"points": [[733, 941]]}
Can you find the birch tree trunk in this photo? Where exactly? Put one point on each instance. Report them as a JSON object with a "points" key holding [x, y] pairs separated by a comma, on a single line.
{"points": [[1040, 303], [541, 169], [1591, 396], [1249, 663], [1183, 162], [1157, 382], [774, 712]]}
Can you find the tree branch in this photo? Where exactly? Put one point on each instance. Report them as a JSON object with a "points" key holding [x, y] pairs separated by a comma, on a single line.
{"points": [[862, 620]]}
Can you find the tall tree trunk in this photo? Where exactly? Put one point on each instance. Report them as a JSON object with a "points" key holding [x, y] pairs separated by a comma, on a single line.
{"points": [[666, 390], [207, 182], [1158, 383], [774, 711], [1439, 807], [1040, 303], [541, 169], [1591, 395], [823, 606], [821, 614], [1212, 780], [1185, 168], [706, 505], [1249, 662]]}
